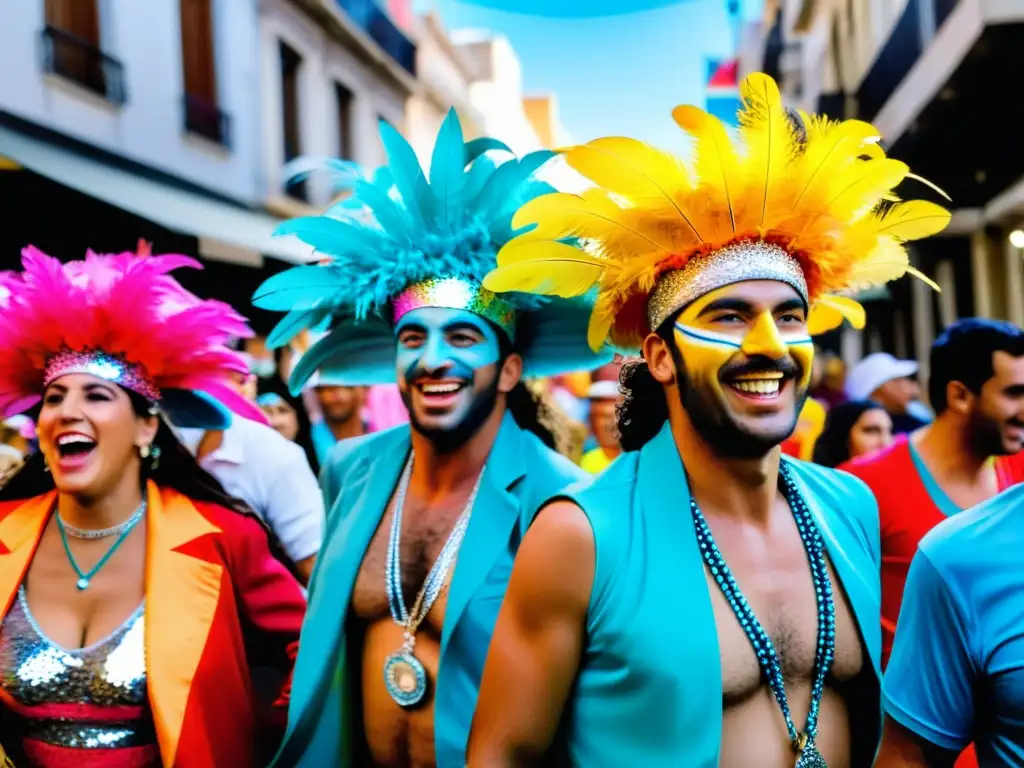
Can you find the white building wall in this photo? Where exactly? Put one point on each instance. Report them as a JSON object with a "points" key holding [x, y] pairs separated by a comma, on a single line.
{"points": [[146, 38], [324, 62]]}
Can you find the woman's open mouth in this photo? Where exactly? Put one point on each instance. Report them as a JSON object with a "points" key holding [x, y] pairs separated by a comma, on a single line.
{"points": [[75, 450]]}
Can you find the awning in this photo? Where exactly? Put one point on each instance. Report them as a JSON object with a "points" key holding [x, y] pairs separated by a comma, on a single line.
{"points": [[226, 232]]}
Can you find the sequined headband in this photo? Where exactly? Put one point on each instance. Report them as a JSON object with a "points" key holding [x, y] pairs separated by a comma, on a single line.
{"points": [[735, 263], [112, 368], [456, 293]]}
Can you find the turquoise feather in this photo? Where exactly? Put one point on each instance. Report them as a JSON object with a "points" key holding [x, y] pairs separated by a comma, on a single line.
{"points": [[447, 174], [331, 236], [476, 148], [304, 287], [407, 175], [294, 323], [399, 228]]}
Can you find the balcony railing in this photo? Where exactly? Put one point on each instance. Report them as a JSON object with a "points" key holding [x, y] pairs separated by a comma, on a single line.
{"points": [[207, 120], [83, 63], [368, 16]]}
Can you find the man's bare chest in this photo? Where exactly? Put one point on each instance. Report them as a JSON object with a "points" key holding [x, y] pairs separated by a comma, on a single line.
{"points": [[423, 536], [782, 594]]}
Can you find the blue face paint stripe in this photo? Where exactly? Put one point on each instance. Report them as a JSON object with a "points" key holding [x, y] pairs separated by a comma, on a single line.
{"points": [[713, 338], [707, 337]]}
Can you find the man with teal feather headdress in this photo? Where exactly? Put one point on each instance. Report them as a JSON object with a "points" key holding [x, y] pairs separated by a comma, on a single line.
{"points": [[395, 640]]}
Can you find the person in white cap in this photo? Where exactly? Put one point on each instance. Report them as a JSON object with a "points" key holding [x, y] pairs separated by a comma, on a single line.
{"points": [[604, 397], [888, 381]]}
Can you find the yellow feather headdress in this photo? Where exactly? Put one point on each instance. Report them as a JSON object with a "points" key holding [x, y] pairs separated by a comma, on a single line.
{"points": [[811, 205]]}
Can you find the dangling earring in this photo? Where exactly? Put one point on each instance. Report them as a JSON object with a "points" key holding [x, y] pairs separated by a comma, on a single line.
{"points": [[144, 451], [156, 458], [46, 467]]}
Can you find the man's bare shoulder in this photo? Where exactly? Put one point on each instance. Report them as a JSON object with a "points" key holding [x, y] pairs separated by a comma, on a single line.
{"points": [[564, 521], [557, 557]]}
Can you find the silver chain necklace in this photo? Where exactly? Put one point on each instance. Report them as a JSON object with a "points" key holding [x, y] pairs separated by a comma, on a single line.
{"points": [[91, 534], [404, 675]]}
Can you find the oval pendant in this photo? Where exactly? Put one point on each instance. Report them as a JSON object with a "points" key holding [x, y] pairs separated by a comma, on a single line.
{"points": [[83, 584], [405, 679]]}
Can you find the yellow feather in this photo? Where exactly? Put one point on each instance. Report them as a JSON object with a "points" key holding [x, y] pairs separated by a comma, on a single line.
{"points": [[525, 249], [591, 216], [717, 165], [557, 278], [834, 150], [829, 312], [637, 171], [768, 136], [913, 220], [929, 184], [600, 323], [858, 191]]}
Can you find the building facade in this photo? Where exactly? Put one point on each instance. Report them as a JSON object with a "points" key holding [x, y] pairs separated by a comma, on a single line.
{"points": [[330, 71], [935, 77]]}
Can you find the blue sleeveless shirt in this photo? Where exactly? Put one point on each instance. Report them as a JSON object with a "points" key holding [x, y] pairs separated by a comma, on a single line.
{"points": [[649, 690]]}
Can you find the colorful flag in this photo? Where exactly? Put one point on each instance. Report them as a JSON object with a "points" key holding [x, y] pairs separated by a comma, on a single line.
{"points": [[721, 89]]}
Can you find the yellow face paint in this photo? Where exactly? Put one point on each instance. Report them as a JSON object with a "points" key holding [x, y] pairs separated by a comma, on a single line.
{"points": [[708, 341]]}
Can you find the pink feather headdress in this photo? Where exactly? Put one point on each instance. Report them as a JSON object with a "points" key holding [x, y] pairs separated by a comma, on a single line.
{"points": [[123, 318]]}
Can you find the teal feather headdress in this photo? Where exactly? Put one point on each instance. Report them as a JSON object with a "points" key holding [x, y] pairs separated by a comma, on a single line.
{"points": [[401, 241]]}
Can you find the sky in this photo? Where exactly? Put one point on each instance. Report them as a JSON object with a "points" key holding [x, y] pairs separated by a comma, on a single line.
{"points": [[613, 75]]}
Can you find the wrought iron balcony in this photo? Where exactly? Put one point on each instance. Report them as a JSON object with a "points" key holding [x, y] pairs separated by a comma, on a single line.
{"points": [[207, 120], [83, 63], [369, 17]]}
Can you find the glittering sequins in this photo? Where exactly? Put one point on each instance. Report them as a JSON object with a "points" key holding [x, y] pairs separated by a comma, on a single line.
{"points": [[34, 672], [456, 293], [104, 366], [733, 264]]}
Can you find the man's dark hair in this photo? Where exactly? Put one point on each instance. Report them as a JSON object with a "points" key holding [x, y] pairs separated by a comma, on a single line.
{"points": [[644, 409], [964, 352]]}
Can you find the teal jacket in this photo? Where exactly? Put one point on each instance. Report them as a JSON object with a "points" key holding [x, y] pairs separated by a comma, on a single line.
{"points": [[649, 691], [358, 482]]}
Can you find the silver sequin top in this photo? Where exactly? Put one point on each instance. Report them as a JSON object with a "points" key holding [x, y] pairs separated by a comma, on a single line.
{"points": [[111, 673]]}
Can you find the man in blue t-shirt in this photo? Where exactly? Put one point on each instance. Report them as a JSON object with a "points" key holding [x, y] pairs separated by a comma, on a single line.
{"points": [[956, 673]]}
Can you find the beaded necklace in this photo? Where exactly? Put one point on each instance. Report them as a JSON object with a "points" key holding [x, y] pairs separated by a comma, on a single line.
{"points": [[803, 742]]}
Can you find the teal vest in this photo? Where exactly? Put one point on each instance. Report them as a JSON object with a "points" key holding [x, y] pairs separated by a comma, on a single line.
{"points": [[649, 691], [358, 482]]}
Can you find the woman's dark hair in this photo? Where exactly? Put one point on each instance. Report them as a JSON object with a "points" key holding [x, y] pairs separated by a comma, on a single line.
{"points": [[832, 447], [177, 469], [304, 437], [530, 413]]}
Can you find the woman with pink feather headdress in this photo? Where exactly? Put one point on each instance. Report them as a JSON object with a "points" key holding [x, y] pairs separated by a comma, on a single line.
{"points": [[135, 594]]}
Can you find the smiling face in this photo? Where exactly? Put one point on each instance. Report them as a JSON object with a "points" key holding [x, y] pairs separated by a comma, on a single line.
{"points": [[450, 371], [744, 362], [90, 434]]}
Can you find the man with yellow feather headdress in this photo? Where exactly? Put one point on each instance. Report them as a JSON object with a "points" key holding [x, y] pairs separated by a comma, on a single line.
{"points": [[703, 573]]}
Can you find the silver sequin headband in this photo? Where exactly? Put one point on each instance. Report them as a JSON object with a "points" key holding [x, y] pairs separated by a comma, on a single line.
{"points": [[737, 263]]}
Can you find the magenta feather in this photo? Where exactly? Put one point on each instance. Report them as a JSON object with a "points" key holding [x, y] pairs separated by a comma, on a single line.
{"points": [[123, 304]]}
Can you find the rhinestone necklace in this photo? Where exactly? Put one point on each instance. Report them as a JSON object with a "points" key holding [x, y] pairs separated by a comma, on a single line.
{"points": [[404, 674], [92, 534], [84, 578], [803, 744]]}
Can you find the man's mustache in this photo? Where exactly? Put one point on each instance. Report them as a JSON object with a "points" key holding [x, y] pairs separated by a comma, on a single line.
{"points": [[761, 364]]}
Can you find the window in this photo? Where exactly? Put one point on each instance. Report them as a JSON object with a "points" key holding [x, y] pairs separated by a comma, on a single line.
{"points": [[71, 48], [343, 98], [199, 71], [78, 18], [291, 63]]}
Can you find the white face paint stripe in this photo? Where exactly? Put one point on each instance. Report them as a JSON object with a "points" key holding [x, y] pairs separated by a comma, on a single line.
{"points": [[720, 339]]}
